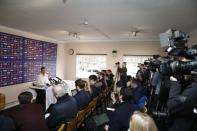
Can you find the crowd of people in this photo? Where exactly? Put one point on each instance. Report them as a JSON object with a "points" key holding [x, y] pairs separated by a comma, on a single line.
{"points": [[128, 104], [130, 100]]}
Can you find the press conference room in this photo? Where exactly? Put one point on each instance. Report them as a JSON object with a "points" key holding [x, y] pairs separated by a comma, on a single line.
{"points": [[98, 65]]}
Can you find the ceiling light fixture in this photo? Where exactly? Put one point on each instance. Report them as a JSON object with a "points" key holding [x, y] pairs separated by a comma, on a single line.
{"points": [[134, 33], [74, 35], [86, 22]]}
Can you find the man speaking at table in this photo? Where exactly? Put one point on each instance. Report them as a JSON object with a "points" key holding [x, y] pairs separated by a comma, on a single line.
{"points": [[43, 78]]}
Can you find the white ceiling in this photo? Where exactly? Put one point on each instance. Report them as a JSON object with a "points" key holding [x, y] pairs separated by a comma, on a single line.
{"points": [[108, 19]]}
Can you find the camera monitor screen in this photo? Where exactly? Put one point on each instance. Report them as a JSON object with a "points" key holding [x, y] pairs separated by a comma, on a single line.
{"points": [[164, 39]]}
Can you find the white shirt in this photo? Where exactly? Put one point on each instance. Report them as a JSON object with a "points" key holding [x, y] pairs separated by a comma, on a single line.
{"points": [[43, 79]]}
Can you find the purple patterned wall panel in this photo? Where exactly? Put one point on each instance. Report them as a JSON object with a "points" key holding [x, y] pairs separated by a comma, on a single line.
{"points": [[51, 68], [10, 46], [10, 73], [33, 49], [31, 70], [21, 59], [49, 51]]}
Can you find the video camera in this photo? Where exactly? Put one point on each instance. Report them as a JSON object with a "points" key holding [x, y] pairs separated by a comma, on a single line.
{"points": [[173, 38], [177, 47], [180, 61], [179, 67], [152, 64]]}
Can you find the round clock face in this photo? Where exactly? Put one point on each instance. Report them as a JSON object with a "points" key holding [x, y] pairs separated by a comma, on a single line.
{"points": [[70, 51]]}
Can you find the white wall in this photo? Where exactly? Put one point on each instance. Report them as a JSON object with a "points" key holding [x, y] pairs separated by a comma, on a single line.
{"points": [[61, 60], [12, 91], [123, 48]]}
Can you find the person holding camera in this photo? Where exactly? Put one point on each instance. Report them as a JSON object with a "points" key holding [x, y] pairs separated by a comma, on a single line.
{"points": [[122, 73], [181, 104]]}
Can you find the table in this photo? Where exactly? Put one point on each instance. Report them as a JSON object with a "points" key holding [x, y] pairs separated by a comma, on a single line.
{"points": [[44, 95]]}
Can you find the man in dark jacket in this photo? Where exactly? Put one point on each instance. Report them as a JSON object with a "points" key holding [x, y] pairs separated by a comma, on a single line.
{"points": [[101, 78], [82, 97], [138, 90], [95, 86], [110, 75], [181, 106], [63, 110], [119, 119], [28, 116]]}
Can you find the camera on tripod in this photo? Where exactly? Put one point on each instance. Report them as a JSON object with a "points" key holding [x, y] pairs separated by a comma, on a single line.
{"points": [[177, 47], [152, 64], [180, 61]]}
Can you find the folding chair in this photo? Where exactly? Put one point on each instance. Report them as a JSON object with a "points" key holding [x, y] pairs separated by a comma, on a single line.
{"points": [[81, 115], [70, 125], [62, 127]]}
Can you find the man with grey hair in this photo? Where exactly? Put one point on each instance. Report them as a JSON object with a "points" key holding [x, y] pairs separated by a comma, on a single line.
{"points": [[64, 109], [59, 91]]}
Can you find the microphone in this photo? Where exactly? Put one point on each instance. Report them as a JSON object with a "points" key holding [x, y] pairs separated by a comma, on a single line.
{"points": [[52, 81], [59, 80], [56, 82]]}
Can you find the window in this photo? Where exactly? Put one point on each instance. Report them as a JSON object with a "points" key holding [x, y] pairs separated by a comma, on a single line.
{"points": [[87, 65], [132, 63]]}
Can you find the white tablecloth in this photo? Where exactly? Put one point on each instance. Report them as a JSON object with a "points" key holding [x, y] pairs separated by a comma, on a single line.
{"points": [[50, 98]]}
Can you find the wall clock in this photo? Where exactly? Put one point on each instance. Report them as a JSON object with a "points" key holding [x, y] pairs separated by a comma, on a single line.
{"points": [[71, 51]]}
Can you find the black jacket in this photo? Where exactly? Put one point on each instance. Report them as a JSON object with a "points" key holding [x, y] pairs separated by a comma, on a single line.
{"points": [[29, 117], [119, 119], [138, 93], [83, 98], [181, 105], [62, 111], [95, 91]]}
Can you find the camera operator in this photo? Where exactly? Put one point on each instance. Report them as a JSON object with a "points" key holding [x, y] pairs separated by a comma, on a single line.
{"points": [[175, 84], [141, 68], [123, 74], [181, 105], [182, 101]]}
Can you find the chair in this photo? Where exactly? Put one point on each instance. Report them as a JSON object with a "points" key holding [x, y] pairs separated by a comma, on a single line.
{"points": [[62, 127], [100, 103], [94, 103], [89, 109], [80, 117], [106, 92], [70, 125], [102, 96], [2, 101]]}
